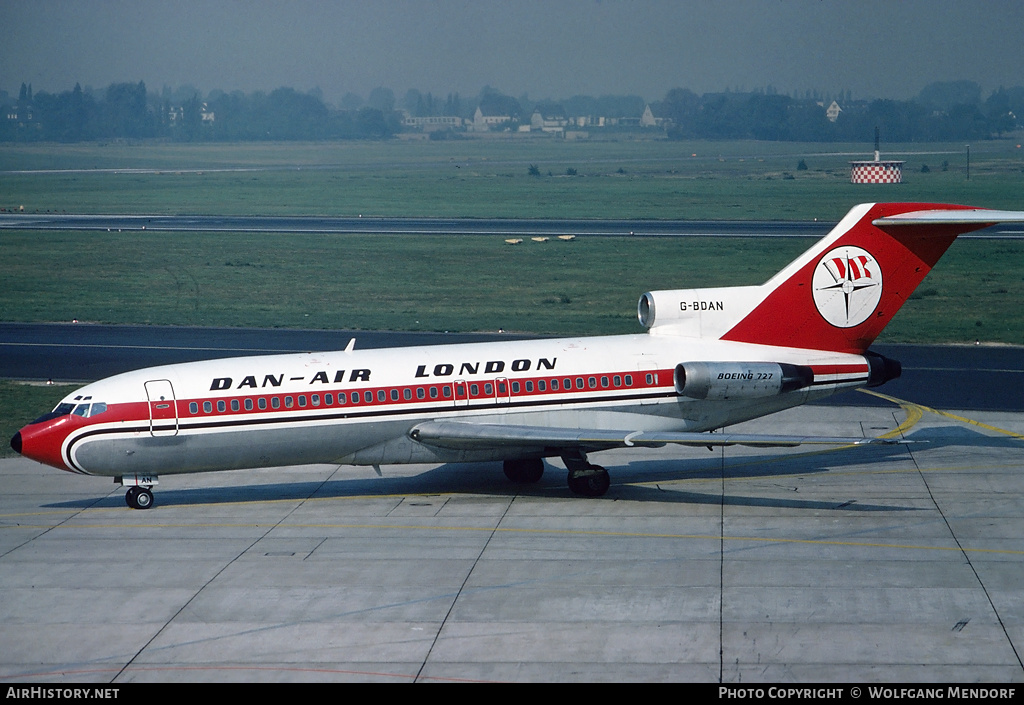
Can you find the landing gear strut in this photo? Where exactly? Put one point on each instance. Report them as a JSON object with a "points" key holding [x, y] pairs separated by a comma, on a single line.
{"points": [[586, 479]]}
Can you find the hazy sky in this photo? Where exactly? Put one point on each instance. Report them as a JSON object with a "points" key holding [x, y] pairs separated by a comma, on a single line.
{"points": [[545, 48]]}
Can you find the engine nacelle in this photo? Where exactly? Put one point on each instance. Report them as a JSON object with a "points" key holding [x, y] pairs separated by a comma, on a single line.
{"points": [[696, 313], [739, 380], [881, 369]]}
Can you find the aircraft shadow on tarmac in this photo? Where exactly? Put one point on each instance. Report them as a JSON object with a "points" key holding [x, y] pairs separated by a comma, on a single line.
{"points": [[488, 479], [638, 480]]}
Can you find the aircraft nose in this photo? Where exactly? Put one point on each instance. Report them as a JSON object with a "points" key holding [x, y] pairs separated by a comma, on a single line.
{"points": [[16, 443]]}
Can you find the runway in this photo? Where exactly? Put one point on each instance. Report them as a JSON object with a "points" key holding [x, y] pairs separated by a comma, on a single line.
{"points": [[440, 226], [863, 565]]}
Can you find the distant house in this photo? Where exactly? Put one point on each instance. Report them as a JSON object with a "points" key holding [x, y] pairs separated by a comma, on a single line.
{"points": [[176, 115], [551, 120], [484, 119], [832, 112], [653, 117], [23, 111]]}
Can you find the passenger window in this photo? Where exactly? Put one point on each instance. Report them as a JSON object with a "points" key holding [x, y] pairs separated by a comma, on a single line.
{"points": [[529, 385], [554, 385], [407, 394], [261, 403], [276, 402], [302, 400], [368, 397], [474, 390], [315, 399], [381, 396], [234, 405], [488, 389], [617, 380], [289, 402], [604, 381], [420, 393], [542, 386], [579, 383], [329, 399], [193, 408], [433, 392], [650, 378], [221, 406], [394, 395], [248, 404], [629, 380], [515, 387], [447, 391], [207, 407]]}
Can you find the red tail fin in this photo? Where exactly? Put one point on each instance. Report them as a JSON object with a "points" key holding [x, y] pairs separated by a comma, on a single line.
{"points": [[841, 293]]}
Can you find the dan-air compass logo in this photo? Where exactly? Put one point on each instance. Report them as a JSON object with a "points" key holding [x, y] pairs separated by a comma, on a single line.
{"points": [[847, 286]]}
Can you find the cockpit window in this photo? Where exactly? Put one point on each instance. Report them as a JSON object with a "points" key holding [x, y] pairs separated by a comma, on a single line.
{"points": [[58, 411], [85, 410]]}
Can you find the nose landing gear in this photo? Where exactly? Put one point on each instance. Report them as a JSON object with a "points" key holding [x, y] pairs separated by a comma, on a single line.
{"points": [[139, 494]]}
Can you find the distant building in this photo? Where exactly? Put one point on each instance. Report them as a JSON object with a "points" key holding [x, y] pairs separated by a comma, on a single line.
{"points": [[832, 112], [553, 121], [433, 123], [483, 121]]}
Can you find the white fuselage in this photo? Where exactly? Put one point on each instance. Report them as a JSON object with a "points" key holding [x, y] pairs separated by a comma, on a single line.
{"points": [[358, 406]]}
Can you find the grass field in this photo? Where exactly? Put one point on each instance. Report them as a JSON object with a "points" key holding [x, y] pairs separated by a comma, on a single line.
{"points": [[635, 179], [469, 283], [437, 283]]}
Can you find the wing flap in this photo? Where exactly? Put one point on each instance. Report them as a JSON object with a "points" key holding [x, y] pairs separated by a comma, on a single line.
{"points": [[467, 436]]}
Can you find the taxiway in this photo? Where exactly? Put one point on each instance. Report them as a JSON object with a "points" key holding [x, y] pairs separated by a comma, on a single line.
{"points": [[871, 564]]}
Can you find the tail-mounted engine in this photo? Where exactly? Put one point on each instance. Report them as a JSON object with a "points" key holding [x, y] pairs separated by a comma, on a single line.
{"points": [[881, 369], [739, 380]]}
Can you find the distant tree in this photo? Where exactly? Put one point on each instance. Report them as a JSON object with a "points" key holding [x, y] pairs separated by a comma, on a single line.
{"points": [[351, 101], [453, 105], [192, 118], [682, 107], [943, 95], [382, 99], [126, 113]]}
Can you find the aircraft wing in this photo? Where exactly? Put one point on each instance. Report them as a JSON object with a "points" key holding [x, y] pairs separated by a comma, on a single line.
{"points": [[468, 436]]}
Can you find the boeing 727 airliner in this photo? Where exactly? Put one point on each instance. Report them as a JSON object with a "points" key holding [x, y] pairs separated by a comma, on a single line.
{"points": [[710, 358]]}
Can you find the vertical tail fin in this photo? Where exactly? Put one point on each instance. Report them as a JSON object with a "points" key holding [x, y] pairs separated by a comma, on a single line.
{"points": [[839, 294]]}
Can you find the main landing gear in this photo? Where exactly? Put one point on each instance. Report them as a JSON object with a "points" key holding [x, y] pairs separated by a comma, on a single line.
{"points": [[140, 493], [585, 479]]}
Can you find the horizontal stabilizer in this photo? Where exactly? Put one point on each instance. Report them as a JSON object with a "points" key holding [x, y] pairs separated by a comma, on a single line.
{"points": [[973, 216]]}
